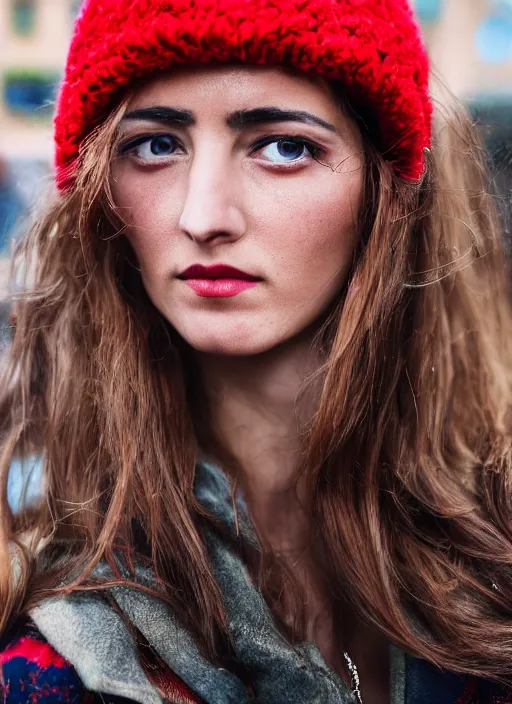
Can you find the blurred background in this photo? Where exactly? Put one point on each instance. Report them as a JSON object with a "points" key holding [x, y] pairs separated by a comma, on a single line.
{"points": [[470, 42]]}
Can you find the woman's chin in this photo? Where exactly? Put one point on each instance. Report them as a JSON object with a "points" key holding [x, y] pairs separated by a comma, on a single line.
{"points": [[229, 340], [228, 347]]}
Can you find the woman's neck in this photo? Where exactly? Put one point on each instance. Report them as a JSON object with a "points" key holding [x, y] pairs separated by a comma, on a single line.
{"points": [[254, 410]]}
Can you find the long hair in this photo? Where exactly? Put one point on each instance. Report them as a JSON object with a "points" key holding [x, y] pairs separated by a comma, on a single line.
{"points": [[407, 459]]}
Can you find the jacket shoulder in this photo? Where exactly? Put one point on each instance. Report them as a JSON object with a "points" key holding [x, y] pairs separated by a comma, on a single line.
{"points": [[492, 693], [32, 671]]}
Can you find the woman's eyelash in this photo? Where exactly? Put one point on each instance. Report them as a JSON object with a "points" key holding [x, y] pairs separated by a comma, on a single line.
{"points": [[135, 142], [313, 148]]}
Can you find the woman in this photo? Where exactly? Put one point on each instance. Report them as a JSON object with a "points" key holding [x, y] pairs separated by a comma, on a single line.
{"points": [[264, 356]]}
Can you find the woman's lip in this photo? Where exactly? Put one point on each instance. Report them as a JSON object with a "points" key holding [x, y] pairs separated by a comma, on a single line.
{"points": [[219, 288], [216, 271]]}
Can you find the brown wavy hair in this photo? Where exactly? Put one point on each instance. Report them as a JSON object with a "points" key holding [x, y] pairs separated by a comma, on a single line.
{"points": [[408, 458]]}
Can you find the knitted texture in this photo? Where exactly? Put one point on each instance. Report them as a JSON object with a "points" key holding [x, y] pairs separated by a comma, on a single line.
{"points": [[373, 47], [32, 672]]}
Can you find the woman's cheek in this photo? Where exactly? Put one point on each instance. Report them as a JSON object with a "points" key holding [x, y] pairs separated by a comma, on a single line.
{"points": [[320, 238]]}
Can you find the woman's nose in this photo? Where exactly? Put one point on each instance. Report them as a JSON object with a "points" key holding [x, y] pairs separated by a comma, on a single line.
{"points": [[211, 211]]}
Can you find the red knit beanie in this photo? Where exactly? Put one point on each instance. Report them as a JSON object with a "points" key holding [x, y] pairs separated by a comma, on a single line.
{"points": [[373, 47]]}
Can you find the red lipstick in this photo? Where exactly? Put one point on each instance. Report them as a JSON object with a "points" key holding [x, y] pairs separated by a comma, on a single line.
{"points": [[217, 281]]}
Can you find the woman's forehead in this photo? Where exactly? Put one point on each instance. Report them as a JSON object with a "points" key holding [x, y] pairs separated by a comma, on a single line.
{"points": [[233, 96], [216, 85]]}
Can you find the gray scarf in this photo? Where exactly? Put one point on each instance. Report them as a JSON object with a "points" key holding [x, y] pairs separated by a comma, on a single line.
{"points": [[93, 637]]}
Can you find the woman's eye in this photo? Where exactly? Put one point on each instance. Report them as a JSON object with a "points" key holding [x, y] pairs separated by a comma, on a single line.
{"points": [[147, 148], [279, 150], [289, 150]]}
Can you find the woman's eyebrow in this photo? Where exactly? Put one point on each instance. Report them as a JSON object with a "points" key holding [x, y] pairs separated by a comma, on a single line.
{"points": [[164, 115], [238, 120], [259, 116]]}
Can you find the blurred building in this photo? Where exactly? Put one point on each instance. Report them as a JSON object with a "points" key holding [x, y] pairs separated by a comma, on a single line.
{"points": [[470, 43], [34, 35]]}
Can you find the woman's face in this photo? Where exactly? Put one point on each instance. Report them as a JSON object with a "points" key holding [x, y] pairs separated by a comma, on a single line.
{"points": [[256, 169]]}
